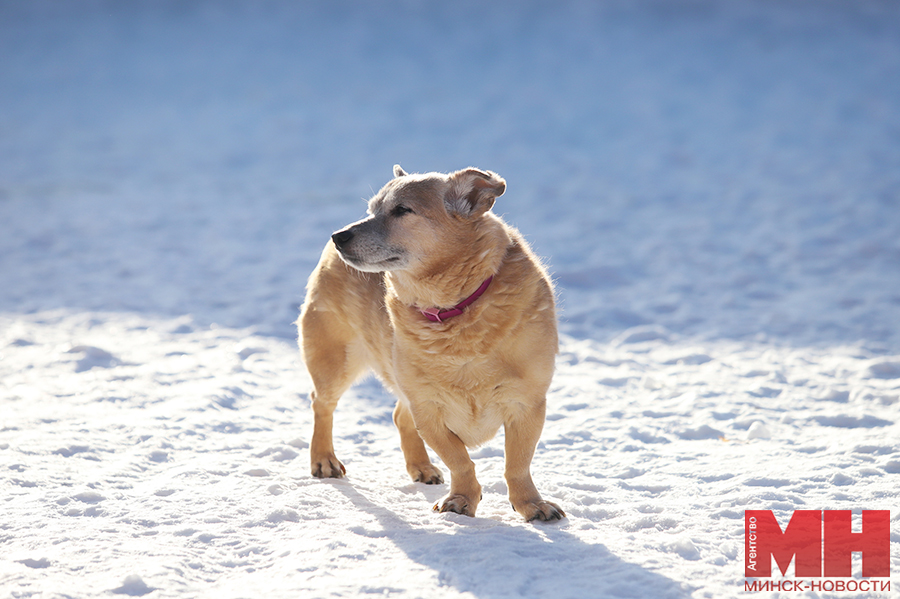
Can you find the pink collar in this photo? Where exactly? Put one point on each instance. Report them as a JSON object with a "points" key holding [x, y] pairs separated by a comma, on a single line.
{"points": [[436, 315]]}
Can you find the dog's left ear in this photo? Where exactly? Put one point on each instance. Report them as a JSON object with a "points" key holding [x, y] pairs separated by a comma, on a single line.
{"points": [[472, 191]]}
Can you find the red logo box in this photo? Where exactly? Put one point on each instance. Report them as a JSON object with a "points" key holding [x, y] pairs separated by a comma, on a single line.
{"points": [[820, 542]]}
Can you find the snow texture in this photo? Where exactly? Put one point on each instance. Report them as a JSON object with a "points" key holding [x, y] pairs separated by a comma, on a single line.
{"points": [[715, 186]]}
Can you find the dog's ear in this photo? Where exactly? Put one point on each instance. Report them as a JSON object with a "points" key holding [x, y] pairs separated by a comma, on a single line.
{"points": [[472, 191], [399, 172]]}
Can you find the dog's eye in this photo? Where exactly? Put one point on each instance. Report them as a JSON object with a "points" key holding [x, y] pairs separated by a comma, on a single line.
{"points": [[401, 210]]}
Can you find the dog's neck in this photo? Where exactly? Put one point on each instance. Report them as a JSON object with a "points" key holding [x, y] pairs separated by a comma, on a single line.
{"points": [[447, 283], [443, 290], [438, 315]]}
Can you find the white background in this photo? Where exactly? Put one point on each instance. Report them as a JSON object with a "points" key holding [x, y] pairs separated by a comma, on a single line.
{"points": [[715, 186]]}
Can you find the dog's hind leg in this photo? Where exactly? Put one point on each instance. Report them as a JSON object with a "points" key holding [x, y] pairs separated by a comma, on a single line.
{"points": [[334, 364], [418, 463]]}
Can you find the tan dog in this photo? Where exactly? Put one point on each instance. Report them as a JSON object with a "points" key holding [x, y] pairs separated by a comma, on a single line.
{"points": [[450, 308]]}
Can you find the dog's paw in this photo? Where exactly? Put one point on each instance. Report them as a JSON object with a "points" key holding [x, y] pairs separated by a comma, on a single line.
{"points": [[458, 504], [544, 511], [328, 467], [427, 474]]}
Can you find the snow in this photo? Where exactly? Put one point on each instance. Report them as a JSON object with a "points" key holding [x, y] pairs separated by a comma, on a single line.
{"points": [[715, 186]]}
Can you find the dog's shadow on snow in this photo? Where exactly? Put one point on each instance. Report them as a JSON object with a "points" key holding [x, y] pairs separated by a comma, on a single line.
{"points": [[492, 559]]}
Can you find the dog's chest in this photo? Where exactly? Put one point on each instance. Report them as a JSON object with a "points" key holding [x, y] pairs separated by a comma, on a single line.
{"points": [[474, 414], [470, 396]]}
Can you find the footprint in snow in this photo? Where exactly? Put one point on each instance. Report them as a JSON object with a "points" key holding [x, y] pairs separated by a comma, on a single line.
{"points": [[765, 392], [133, 586], [885, 370], [93, 357], [847, 421], [700, 433], [37, 564], [91, 497], [71, 450]]}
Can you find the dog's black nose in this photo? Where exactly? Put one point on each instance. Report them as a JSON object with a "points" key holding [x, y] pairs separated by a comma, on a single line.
{"points": [[341, 237]]}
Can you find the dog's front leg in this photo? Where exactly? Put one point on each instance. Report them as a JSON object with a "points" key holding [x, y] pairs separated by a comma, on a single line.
{"points": [[465, 492], [522, 434]]}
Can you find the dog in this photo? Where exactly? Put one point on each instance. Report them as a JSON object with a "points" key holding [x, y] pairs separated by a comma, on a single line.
{"points": [[450, 308]]}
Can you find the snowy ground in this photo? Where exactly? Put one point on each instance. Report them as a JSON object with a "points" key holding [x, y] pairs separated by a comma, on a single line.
{"points": [[716, 186]]}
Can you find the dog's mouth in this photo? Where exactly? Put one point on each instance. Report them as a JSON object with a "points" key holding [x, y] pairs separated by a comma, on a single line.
{"points": [[359, 263], [392, 263]]}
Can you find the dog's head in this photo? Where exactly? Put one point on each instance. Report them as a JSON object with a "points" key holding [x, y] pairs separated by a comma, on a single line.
{"points": [[417, 219]]}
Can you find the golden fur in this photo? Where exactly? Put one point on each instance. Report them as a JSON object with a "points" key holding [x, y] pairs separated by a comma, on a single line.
{"points": [[430, 241]]}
